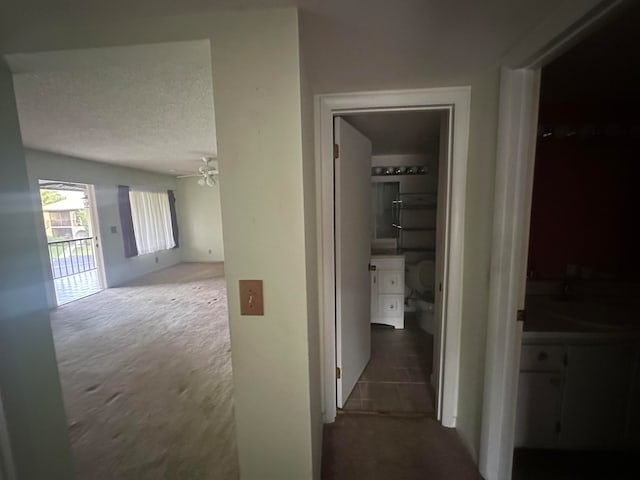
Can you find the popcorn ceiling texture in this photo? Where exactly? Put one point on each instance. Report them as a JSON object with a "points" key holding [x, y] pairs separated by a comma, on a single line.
{"points": [[147, 106], [146, 376]]}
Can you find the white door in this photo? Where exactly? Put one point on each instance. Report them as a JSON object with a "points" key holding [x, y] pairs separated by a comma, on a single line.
{"points": [[353, 254]]}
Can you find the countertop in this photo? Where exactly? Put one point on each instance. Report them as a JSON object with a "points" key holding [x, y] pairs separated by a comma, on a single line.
{"points": [[587, 317]]}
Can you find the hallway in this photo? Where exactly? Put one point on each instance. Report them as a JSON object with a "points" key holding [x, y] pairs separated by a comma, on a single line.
{"points": [[384, 447], [388, 429], [396, 379]]}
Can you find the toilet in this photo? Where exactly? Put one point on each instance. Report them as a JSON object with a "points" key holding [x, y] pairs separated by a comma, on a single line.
{"points": [[420, 279]]}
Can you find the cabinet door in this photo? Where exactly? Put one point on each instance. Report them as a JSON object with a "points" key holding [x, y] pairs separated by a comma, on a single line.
{"points": [[596, 394], [538, 410]]}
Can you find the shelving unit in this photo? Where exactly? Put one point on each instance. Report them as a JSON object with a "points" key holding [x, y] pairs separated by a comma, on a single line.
{"points": [[415, 224]]}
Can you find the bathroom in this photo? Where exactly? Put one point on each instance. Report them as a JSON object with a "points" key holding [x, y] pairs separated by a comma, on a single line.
{"points": [[579, 383], [404, 173]]}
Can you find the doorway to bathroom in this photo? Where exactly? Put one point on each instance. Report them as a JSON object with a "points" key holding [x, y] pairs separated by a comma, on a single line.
{"points": [[73, 246], [386, 210], [393, 188]]}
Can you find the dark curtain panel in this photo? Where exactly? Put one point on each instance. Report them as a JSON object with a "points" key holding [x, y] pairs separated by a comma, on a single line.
{"points": [[174, 217], [126, 222]]}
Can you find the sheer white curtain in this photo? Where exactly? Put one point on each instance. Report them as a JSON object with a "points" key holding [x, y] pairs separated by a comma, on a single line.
{"points": [[151, 221]]}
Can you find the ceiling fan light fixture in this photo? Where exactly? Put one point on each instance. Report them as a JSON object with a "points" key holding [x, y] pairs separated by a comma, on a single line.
{"points": [[206, 172]]}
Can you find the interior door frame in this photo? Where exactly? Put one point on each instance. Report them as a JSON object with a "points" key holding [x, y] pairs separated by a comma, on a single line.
{"points": [[516, 141], [458, 101], [95, 226]]}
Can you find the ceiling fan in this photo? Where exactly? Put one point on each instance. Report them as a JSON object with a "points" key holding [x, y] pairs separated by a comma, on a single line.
{"points": [[207, 172]]}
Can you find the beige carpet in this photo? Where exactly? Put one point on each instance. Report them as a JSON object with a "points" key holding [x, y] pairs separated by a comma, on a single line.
{"points": [[146, 376]]}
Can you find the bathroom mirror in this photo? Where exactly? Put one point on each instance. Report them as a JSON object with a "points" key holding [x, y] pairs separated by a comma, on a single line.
{"points": [[383, 195]]}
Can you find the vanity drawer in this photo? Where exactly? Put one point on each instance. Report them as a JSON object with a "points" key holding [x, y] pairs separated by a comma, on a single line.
{"points": [[542, 358], [388, 263], [390, 305], [390, 281]]}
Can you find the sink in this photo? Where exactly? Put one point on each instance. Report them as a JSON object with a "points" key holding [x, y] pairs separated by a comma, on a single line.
{"points": [[596, 315]]}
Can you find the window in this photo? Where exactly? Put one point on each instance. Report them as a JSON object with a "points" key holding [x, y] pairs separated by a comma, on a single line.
{"points": [[60, 219], [151, 216]]}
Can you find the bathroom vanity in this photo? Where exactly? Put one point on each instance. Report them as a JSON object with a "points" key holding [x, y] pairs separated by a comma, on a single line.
{"points": [[387, 290], [579, 382]]}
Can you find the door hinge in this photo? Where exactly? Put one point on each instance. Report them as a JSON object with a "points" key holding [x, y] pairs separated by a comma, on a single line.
{"points": [[372, 268], [336, 151], [338, 373], [521, 315]]}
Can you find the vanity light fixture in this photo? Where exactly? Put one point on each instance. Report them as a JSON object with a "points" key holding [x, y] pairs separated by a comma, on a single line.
{"points": [[388, 170]]}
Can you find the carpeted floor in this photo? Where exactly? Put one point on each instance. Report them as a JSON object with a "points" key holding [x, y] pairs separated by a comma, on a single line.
{"points": [[146, 376]]}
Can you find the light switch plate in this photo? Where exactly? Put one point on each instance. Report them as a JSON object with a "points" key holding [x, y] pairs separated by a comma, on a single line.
{"points": [[251, 300]]}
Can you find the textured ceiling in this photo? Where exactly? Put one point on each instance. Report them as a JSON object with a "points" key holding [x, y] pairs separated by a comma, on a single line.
{"points": [[147, 106], [399, 132], [346, 45]]}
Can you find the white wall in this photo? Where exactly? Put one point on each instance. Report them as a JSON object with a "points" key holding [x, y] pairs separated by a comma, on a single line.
{"points": [[106, 178], [264, 169], [256, 80], [479, 219], [199, 221], [477, 253], [29, 382], [311, 217]]}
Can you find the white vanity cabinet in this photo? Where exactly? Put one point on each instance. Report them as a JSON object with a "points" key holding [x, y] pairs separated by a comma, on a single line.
{"points": [[596, 395], [539, 404], [539, 396], [387, 290], [577, 392]]}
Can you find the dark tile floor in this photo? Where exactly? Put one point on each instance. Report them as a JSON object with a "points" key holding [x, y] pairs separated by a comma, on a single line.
{"points": [[387, 430], [396, 380], [387, 447]]}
